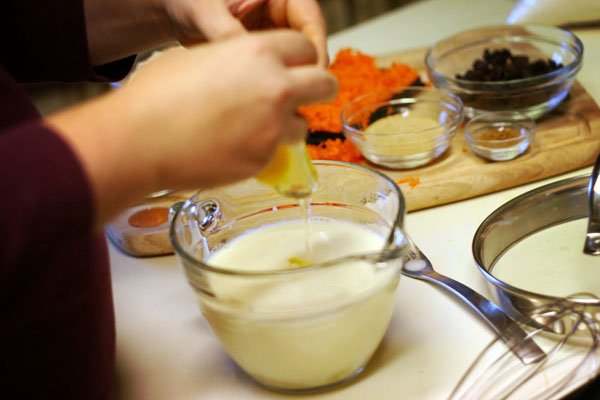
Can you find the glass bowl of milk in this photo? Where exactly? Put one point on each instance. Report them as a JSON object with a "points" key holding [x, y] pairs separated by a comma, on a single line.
{"points": [[299, 293]]}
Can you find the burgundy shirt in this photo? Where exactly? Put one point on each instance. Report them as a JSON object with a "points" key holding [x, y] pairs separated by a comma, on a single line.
{"points": [[57, 335]]}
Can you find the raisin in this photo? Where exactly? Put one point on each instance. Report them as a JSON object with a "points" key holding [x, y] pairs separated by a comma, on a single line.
{"points": [[502, 65]]}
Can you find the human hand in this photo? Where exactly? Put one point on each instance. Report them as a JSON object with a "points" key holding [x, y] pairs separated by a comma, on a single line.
{"points": [[196, 20], [197, 117]]}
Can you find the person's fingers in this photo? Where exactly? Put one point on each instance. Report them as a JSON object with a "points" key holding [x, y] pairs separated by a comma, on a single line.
{"points": [[215, 20], [291, 47], [304, 16], [312, 84], [242, 8], [309, 84], [296, 129]]}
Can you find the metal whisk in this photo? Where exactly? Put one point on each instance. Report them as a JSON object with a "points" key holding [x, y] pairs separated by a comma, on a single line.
{"points": [[571, 360]]}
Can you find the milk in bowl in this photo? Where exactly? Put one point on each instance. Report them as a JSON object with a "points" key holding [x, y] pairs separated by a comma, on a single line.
{"points": [[295, 305]]}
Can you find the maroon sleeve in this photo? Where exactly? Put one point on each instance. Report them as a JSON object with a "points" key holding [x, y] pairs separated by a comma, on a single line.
{"points": [[46, 41], [55, 293], [57, 332], [49, 193]]}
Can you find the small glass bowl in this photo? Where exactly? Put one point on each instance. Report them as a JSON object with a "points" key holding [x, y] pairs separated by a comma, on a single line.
{"points": [[402, 128], [500, 136]]}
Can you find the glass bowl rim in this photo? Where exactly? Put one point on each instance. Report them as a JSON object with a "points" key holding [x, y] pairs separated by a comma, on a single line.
{"points": [[565, 72], [194, 264], [449, 126]]}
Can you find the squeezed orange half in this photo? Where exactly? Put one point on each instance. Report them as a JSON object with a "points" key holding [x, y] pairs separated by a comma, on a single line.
{"points": [[291, 171]]}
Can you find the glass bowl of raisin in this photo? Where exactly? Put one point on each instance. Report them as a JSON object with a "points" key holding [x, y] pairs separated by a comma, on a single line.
{"points": [[523, 68]]}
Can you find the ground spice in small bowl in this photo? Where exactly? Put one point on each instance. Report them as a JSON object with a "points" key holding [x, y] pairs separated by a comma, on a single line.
{"points": [[500, 136], [496, 138], [149, 217]]}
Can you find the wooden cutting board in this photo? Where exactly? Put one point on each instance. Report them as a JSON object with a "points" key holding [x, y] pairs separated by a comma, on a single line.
{"points": [[566, 139]]}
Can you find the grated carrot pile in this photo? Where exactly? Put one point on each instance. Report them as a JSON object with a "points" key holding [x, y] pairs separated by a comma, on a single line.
{"points": [[357, 74], [335, 149]]}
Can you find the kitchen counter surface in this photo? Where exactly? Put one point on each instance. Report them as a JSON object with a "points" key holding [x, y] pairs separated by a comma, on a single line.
{"points": [[166, 350]]}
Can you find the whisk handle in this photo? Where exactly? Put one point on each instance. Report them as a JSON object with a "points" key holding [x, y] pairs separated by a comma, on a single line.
{"points": [[592, 237]]}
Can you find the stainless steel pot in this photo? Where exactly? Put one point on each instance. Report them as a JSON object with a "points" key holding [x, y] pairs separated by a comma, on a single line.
{"points": [[532, 212]]}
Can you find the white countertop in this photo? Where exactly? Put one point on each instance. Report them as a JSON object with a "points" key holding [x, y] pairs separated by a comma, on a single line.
{"points": [[166, 350]]}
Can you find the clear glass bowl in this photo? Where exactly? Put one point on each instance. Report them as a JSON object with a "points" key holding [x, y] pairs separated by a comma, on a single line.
{"points": [[402, 128], [534, 95], [292, 329], [500, 136]]}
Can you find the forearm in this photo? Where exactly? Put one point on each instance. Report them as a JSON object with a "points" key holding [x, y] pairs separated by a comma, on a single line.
{"points": [[171, 127], [100, 134], [119, 28]]}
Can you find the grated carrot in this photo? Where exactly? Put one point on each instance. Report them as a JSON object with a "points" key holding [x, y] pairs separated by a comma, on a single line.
{"points": [[411, 181], [335, 149], [357, 74]]}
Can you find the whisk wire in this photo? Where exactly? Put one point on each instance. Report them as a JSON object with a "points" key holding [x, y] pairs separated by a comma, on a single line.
{"points": [[497, 374]]}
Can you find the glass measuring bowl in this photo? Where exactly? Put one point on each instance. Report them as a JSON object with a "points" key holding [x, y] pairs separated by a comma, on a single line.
{"points": [[296, 329]]}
